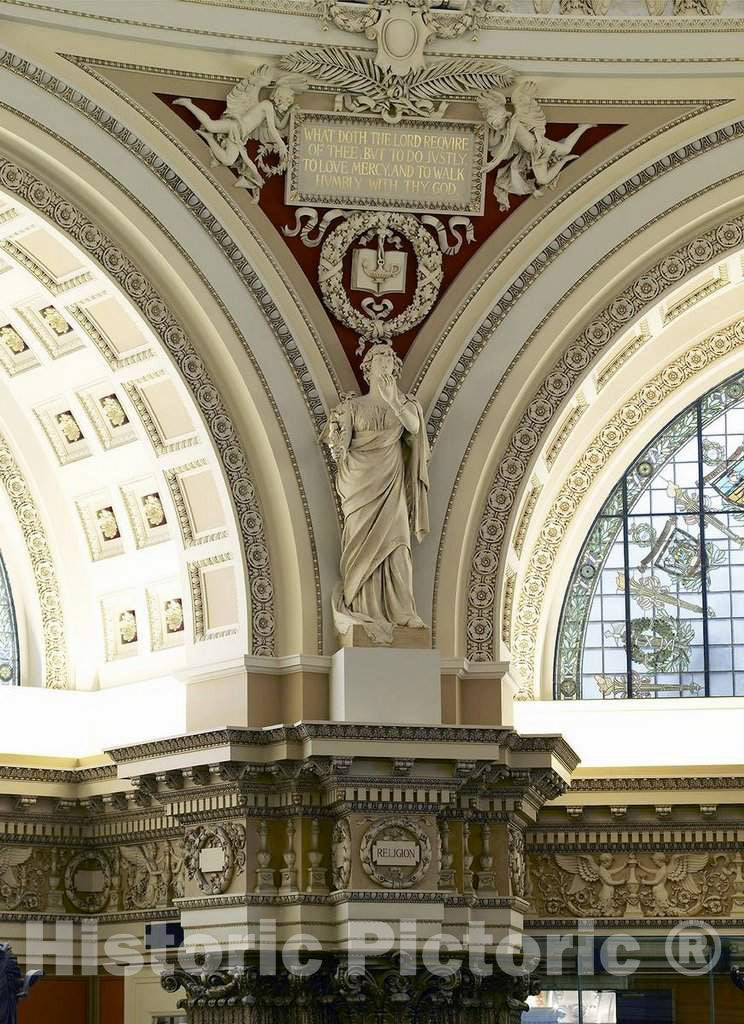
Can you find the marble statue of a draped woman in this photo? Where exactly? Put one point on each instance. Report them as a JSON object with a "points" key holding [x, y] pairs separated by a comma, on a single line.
{"points": [[380, 447]]}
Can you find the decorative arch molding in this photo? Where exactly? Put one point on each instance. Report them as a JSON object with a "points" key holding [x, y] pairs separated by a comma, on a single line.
{"points": [[21, 498], [195, 206], [465, 361], [509, 345], [84, 233], [216, 231], [681, 376], [539, 416], [516, 289]]}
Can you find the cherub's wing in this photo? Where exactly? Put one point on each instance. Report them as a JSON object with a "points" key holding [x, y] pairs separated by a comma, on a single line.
{"points": [[12, 857], [246, 94], [582, 866], [528, 109], [135, 856], [684, 866], [697, 862], [492, 101]]}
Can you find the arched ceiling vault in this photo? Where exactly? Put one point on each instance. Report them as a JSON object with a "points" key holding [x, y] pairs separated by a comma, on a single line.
{"points": [[178, 476], [263, 334], [122, 477], [211, 307]]}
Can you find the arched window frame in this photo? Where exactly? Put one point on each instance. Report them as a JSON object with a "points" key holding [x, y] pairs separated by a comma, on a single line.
{"points": [[10, 660], [614, 520]]}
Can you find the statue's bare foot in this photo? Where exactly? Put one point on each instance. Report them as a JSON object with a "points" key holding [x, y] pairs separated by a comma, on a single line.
{"points": [[416, 623]]}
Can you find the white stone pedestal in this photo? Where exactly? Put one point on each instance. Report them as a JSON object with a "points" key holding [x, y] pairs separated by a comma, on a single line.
{"points": [[388, 686]]}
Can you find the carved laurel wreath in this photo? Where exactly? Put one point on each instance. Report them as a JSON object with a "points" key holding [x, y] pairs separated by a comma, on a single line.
{"points": [[393, 829], [228, 838], [428, 273], [88, 902]]}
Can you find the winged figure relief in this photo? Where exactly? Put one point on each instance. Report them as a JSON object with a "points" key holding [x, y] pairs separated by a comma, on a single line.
{"points": [[247, 116], [589, 873], [527, 161], [143, 874], [675, 871], [11, 857], [151, 874]]}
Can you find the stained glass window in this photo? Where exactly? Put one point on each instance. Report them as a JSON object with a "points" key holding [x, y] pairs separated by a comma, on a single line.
{"points": [[9, 662], [655, 605]]}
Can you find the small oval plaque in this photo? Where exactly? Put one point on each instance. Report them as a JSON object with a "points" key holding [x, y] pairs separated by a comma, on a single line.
{"points": [[399, 38]]}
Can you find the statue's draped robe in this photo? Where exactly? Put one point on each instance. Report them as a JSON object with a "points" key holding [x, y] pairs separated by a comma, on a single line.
{"points": [[382, 482]]}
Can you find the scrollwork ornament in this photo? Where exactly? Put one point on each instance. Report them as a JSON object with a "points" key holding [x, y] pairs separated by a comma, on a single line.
{"points": [[517, 861], [341, 855], [410, 22], [152, 875]]}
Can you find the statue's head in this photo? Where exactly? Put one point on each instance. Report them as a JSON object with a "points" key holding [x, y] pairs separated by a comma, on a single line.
{"points": [[285, 91], [380, 361], [283, 98], [605, 859], [493, 106], [658, 858]]}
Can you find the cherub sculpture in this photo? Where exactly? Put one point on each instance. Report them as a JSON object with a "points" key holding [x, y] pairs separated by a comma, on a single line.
{"points": [[13, 986], [587, 871], [527, 161], [246, 117], [678, 868]]}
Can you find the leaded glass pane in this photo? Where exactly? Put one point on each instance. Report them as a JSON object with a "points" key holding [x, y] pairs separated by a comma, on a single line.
{"points": [[655, 606], [9, 666]]}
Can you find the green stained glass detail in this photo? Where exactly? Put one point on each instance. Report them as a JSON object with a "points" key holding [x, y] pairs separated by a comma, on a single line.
{"points": [[655, 604], [9, 661]]}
